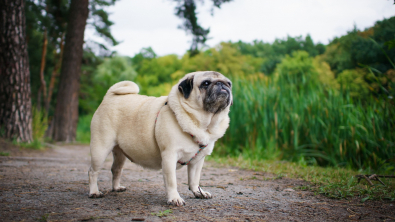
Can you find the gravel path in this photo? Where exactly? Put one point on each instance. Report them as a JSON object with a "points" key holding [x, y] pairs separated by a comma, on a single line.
{"points": [[52, 185]]}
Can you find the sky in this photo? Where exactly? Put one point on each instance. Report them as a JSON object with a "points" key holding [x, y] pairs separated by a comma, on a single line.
{"points": [[152, 23]]}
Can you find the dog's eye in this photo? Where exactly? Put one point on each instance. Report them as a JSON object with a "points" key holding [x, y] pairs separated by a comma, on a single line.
{"points": [[230, 84], [206, 83]]}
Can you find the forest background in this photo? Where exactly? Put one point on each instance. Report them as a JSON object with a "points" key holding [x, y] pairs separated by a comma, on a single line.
{"points": [[294, 100]]}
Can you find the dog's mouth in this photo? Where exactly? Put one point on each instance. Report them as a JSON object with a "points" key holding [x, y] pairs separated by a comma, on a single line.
{"points": [[224, 91]]}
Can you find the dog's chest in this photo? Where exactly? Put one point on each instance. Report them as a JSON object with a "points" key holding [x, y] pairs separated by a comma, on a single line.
{"points": [[193, 153]]}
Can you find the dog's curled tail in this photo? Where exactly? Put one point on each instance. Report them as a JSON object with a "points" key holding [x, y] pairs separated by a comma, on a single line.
{"points": [[123, 88]]}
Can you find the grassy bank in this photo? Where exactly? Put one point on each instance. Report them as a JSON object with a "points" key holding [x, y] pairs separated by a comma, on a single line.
{"points": [[295, 117], [332, 182]]}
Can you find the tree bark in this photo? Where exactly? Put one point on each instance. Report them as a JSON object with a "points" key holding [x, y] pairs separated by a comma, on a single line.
{"points": [[15, 95], [66, 113]]}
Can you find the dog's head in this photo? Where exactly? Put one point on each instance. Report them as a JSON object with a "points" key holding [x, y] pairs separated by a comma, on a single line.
{"points": [[210, 90]]}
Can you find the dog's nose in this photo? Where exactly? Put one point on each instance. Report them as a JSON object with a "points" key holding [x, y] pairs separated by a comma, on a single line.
{"points": [[219, 83]]}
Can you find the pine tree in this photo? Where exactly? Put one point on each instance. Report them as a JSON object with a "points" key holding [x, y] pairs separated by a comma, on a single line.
{"points": [[15, 96]]}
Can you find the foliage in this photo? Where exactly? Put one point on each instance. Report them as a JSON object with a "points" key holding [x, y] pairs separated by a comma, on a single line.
{"points": [[44, 218], [186, 10], [155, 73], [39, 127], [96, 81], [304, 111], [325, 74], [83, 129], [50, 17], [295, 118], [224, 58], [4, 153], [367, 49], [113, 70], [158, 74], [275, 52], [297, 70], [39, 124], [35, 144], [353, 80]]}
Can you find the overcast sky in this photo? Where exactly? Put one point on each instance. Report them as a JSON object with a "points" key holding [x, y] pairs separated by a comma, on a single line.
{"points": [[144, 23]]}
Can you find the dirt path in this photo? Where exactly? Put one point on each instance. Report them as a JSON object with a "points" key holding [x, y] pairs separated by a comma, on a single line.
{"points": [[52, 185]]}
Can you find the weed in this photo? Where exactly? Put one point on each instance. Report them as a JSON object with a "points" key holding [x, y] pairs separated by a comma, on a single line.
{"points": [[164, 213], [293, 117], [39, 124], [4, 153], [35, 144], [44, 218]]}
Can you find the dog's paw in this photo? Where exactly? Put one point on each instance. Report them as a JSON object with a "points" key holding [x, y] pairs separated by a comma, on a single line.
{"points": [[96, 195], [119, 189], [200, 193], [176, 201]]}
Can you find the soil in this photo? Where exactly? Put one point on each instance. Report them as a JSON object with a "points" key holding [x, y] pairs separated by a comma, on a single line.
{"points": [[52, 185]]}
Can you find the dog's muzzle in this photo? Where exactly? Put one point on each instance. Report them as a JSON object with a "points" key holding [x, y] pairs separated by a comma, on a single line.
{"points": [[222, 88]]}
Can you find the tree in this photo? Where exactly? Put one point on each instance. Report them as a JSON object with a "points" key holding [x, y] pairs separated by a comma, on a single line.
{"points": [[15, 97], [275, 52], [186, 10], [109, 72], [50, 17], [66, 113]]}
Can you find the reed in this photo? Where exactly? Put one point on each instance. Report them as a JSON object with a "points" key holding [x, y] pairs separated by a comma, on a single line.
{"points": [[294, 117]]}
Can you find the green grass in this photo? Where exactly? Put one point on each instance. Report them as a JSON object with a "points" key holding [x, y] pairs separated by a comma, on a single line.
{"points": [[83, 129], [36, 144], [333, 182], [292, 116], [44, 218], [4, 153], [39, 124], [164, 213]]}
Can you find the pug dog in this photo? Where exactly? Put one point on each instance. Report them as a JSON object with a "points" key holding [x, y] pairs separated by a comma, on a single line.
{"points": [[165, 133]]}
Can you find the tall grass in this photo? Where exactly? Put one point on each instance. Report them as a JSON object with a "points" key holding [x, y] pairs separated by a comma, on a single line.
{"points": [[39, 126], [83, 129], [295, 117]]}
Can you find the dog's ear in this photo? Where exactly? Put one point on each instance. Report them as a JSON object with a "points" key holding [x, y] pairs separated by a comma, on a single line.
{"points": [[186, 86]]}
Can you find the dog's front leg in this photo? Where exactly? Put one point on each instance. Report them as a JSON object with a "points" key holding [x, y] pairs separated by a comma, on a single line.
{"points": [[194, 171], [169, 164]]}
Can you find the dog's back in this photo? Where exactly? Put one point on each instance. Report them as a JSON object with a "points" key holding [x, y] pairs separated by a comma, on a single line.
{"points": [[123, 113]]}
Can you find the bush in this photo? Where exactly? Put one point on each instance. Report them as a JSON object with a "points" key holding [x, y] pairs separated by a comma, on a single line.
{"points": [[294, 117]]}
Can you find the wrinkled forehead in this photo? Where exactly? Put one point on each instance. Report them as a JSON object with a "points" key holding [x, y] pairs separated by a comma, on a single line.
{"points": [[209, 75]]}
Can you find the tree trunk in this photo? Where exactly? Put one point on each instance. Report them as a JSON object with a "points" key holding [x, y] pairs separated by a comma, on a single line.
{"points": [[66, 113], [54, 75], [43, 87], [15, 95]]}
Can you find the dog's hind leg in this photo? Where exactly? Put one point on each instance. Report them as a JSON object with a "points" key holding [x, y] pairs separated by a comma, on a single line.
{"points": [[116, 169], [99, 151]]}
